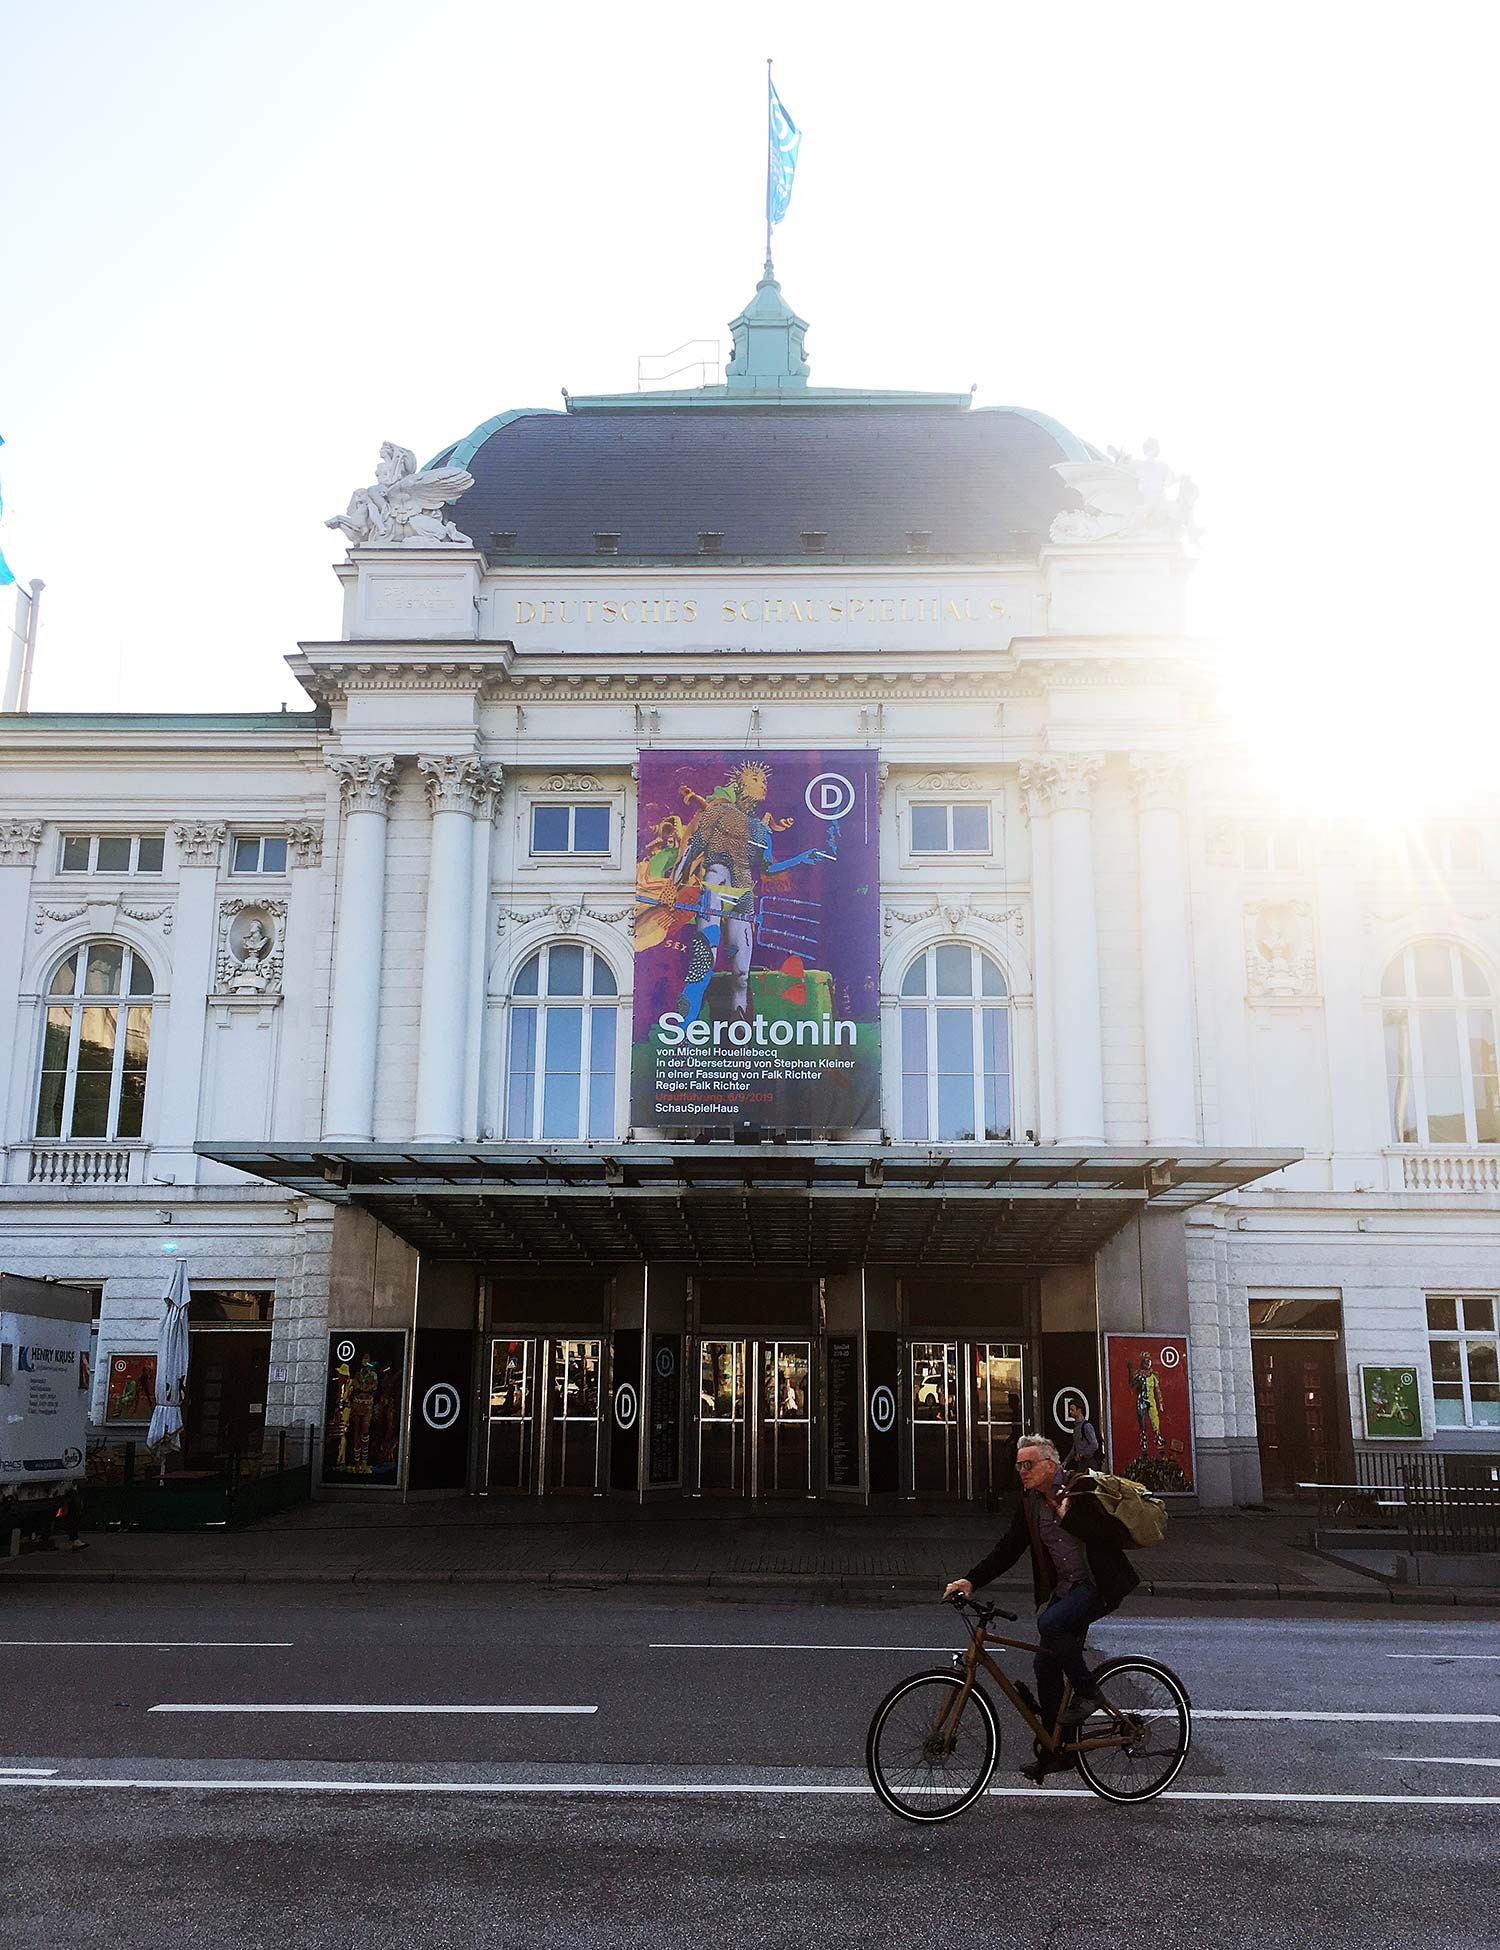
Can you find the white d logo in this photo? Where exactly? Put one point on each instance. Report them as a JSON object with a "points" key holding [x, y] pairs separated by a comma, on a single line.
{"points": [[1170, 1357], [345, 1350], [830, 796], [627, 1405], [882, 1409], [441, 1406]]}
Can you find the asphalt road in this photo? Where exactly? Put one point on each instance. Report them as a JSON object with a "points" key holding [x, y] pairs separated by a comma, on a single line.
{"points": [[713, 1786]]}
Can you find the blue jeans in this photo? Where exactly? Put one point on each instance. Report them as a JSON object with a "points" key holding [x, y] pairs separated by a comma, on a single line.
{"points": [[1063, 1626]]}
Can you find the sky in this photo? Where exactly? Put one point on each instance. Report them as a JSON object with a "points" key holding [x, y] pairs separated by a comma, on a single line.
{"points": [[244, 246]]}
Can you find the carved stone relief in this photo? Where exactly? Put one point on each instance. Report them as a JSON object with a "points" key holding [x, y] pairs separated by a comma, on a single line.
{"points": [[45, 914], [567, 915], [199, 841], [365, 783], [251, 947], [19, 840], [306, 843], [951, 781], [571, 782], [1280, 957], [955, 914], [460, 783]]}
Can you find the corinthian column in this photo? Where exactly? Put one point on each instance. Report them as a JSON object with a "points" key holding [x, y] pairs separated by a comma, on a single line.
{"points": [[1166, 952], [365, 787], [458, 787], [1077, 1048]]}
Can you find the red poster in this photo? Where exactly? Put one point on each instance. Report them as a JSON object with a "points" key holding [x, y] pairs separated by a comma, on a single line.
{"points": [[1150, 1410]]}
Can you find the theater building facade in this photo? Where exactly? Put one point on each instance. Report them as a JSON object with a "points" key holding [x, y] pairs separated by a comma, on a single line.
{"points": [[759, 973]]}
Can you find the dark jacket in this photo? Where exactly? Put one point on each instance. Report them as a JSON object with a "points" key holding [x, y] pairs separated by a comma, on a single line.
{"points": [[1113, 1574]]}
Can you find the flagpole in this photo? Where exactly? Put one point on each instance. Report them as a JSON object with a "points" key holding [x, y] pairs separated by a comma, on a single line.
{"points": [[768, 161]]}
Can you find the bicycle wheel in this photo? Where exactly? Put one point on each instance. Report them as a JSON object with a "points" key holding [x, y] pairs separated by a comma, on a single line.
{"points": [[1149, 1755], [925, 1764]]}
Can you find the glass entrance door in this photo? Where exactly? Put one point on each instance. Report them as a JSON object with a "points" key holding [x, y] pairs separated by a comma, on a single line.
{"points": [[995, 1400], [573, 1415], [721, 1417], [935, 1453], [784, 1436], [510, 1454]]}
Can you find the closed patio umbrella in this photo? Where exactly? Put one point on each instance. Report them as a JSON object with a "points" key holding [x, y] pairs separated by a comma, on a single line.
{"points": [[171, 1363]]}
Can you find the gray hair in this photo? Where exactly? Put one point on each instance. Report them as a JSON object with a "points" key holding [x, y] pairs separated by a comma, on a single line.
{"points": [[1042, 1443]]}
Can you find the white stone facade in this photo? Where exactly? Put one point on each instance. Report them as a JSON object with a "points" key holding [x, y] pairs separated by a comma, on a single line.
{"points": [[1183, 968]]}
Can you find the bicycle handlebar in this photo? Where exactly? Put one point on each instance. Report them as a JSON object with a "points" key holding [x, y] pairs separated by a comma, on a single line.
{"points": [[984, 1613]]}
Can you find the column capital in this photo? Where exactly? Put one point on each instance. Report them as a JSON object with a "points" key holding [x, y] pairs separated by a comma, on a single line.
{"points": [[1060, 782], [460, 782], [199, 841], [366, 782], [306, 842], [19, 840], [1157, 780]]}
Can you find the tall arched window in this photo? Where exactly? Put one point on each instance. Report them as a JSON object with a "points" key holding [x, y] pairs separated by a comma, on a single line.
{"points": [[1440, 1048], [955, 1047], [563, 1016], [97, 1040]]}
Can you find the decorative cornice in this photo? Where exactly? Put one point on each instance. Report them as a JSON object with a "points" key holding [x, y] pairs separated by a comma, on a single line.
{"points": [[956, 914], [1157, 779], [306, 842], [567, 915], [951, 781], [365, 783], [571, 782], [460, 782], [166, 915], [19, 840], [199, 841], [45, 914]]}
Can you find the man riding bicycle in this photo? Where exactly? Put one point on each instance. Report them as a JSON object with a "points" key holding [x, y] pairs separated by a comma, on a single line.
{"points": [[1079, 1573]]}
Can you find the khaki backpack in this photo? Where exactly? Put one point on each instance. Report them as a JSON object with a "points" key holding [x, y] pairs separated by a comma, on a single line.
{"points": [[1142, 1516]]}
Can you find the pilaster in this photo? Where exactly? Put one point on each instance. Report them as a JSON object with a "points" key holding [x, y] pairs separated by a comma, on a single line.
{"points": [[19, 839], [365, 785], [457, 787], [1166, 951], [200, 846], [290, 1108], [1067, 781]]}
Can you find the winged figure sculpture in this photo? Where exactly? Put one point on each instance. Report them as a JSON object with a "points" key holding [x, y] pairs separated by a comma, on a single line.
{"points": [[1126, 498], [405, 504]]}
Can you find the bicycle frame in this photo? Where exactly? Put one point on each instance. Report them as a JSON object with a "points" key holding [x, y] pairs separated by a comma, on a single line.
{"points": [[1051, 1740]]}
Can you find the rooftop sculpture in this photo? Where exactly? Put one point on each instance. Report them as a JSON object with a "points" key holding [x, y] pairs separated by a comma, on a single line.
{"points": [[403, 506], [1126, 499]]}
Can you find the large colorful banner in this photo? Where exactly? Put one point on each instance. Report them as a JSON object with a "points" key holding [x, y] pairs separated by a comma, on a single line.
{"points": [[757, 942], [1150, 1411]]}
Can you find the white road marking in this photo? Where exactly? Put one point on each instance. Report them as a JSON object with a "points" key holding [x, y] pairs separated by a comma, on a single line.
{"points": [[1394, 1719], [739, 1645], [648, 1788], [239, 1645], [1444, 1760], [1495, 1656], [40, 1773], [357, 1706]]}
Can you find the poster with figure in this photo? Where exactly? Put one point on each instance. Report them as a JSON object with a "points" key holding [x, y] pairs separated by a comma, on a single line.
{"points": [[130, 1393], [1392, 1403], [364, 1409], [1150, 1411], [757, 942]]}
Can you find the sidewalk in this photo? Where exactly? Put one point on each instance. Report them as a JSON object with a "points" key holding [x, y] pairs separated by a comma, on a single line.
{"points": [[805, 1550]]}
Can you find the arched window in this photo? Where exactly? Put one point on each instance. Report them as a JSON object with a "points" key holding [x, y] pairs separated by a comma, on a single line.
{"points": [[1440, 1048], [563, 1016], [97, 1040], [955, 1047]]}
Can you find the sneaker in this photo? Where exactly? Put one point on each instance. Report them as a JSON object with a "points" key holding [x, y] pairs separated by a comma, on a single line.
{"points": [[1081, 1707], [78, 1544]]}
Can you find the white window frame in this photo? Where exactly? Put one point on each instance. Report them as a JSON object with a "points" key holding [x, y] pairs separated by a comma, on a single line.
{"points": [[78, 1002], [570, 851], [976, 1003], [950, 851], [1414, 1005], [132, 872], [1432, 845], [541, 1003], [260, 869], [1281, 845], [1463, 1335]]}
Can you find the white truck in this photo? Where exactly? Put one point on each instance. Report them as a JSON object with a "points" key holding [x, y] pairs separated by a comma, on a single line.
{"points": [[45, 1330]]}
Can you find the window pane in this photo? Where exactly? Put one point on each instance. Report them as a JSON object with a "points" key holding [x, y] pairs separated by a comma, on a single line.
{"points": [[273, 856], [1486, 1408], [995, 1039], [1257, 851], [1286, 852], [929, 829], [564, 1031], [1482, 1363], [55, 1040], [955, 1063], [132, 1103], [114, 853], [1483, 1071], [54, 1074], [1479, 1314], [914, 1073], [1434, 968], [75, 853], [140, 976], [955, 1109], [915, 982], [602, 1074], [1448, 1407], [1398, 1078], [1441, 1078], [1393, 982], [106, 960], [246, 856], [565, 969], [522, 1072], [66, 978], [1446, 1365], [96, 1042], [591, 829], [604, 979], [955, 971], [1473, 976], [526, 981], [1442, 1312], [991, 981], [91, 1104], [148, 855], [549, 829], [971, 828], [137, 1038]]}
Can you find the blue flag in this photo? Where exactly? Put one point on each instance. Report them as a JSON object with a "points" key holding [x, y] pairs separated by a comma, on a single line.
{"points": [[784, 139]]}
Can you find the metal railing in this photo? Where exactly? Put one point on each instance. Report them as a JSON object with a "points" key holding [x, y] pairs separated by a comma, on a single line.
{"points": [[1417, 1500], [131, 1485]]}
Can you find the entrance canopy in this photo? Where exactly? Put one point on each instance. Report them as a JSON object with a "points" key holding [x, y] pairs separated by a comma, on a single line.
{"points": [[808, 1205]]}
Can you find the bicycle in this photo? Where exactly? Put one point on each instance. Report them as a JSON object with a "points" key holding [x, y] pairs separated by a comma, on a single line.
{"points": [[935, 1738]]}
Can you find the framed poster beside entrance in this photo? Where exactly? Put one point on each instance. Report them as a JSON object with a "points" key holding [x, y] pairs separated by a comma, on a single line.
{"points": [[1150, 1411], [365, 1407], [1392, 1403]]}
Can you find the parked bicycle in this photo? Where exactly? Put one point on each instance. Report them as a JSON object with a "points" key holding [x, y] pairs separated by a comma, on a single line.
{"points": [[935, 1738]]}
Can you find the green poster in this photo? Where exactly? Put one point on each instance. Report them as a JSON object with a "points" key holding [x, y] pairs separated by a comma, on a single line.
{"points": [[1393, 1407]]}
